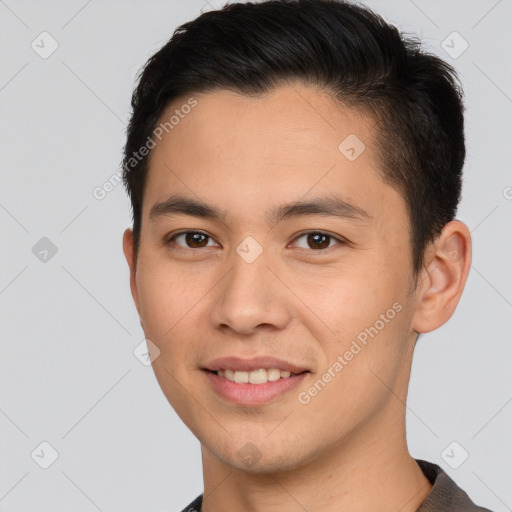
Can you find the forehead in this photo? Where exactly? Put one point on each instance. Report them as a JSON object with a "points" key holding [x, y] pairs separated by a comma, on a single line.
{"points": [[272, 148], [293, 116]]}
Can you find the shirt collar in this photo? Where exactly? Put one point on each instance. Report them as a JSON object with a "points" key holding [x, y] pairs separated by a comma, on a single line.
{"points": [[445, 495]]}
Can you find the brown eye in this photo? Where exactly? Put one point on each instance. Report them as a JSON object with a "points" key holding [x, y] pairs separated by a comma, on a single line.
{"points": [[317, 240], [193, 239]]}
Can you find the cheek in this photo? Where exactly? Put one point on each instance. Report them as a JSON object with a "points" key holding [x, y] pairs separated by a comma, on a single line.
{"points": [[167, 298], [341, 302], [170, 305], [167, 291], [360, 314]]}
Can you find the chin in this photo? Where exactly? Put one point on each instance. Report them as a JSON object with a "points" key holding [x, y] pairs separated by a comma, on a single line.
{"points": [[251, 459]]}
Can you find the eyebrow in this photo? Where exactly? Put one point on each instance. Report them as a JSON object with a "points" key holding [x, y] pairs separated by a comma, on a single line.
{"points": [[328, 206]]}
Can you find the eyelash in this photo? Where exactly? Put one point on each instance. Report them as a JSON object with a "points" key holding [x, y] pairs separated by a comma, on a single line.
{"points": [[300, 235]]}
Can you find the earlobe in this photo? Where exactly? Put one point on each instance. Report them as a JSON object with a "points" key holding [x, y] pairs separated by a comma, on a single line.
{"points": [[128, 249], [444, 278]]}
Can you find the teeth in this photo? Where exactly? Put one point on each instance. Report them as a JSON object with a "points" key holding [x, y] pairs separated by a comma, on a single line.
{"points": [[258, 376], [255, 377], [241, 377], [273, 374]]}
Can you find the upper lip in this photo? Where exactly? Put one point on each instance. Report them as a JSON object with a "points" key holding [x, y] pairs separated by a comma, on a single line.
{"points": [[255, 363]]}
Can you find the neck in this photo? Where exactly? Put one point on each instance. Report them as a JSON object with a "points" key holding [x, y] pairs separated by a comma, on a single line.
{"points": [[372, 470]]}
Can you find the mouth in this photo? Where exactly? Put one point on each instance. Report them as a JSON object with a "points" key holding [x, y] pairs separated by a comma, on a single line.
{"points": [[259, 376], [252, 382]]}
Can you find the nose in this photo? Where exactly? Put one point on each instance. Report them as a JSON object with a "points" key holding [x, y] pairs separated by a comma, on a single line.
{"points": [[250, 298]]}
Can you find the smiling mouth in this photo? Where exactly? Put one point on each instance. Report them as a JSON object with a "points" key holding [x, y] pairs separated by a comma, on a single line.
{"points": [[260, 376]]}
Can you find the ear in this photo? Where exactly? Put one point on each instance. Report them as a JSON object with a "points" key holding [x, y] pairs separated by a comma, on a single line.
{"points": [[128, 249], [443, 278]]}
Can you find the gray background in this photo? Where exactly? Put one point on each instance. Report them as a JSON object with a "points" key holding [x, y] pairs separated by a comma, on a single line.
{"points": [[68, 328]]}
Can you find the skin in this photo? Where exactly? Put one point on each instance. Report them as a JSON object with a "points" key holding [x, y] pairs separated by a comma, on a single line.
{"points": [[346, 449]]}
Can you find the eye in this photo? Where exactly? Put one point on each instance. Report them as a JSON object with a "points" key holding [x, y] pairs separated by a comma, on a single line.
{"points": [[318, 240], [191, 239]]}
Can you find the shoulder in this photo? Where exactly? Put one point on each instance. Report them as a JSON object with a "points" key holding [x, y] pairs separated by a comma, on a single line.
{"points": [[195, 506], [445, 494]]}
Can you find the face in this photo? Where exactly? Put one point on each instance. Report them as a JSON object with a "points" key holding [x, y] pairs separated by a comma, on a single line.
{"points": [[249, 279]]}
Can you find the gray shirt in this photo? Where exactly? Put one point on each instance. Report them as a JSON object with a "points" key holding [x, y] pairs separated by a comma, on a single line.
{"points": [[445, 495]]}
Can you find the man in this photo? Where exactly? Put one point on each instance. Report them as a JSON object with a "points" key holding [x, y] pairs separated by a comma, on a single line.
{"points": [[294, 169]]}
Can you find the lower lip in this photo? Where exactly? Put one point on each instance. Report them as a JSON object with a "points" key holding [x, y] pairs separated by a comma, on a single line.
{"points": [[253, 394]]}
